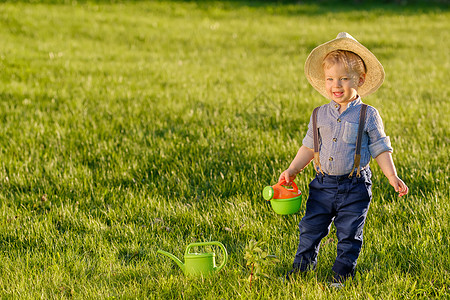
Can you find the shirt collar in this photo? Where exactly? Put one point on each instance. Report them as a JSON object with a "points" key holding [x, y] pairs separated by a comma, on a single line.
{"points": [[355, 102]]}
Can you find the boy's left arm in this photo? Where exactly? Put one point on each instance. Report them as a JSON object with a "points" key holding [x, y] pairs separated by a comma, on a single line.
{"points": [[386, 164]]}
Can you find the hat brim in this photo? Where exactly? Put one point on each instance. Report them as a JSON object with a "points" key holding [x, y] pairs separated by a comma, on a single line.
{"points": [[315, 74]]}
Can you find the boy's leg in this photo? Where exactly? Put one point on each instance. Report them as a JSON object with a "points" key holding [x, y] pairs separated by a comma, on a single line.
{"points": [[350, 219], [315, 225]]}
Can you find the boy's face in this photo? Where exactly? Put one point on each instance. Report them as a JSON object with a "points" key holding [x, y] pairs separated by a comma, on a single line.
{"points": [[342, 84]]}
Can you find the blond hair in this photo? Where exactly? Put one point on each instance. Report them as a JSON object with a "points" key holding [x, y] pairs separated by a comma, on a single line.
{"points": [[350, 61]]}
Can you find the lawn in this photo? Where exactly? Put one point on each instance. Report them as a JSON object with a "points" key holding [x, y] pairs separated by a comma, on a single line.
{"points": [[128, 127]]}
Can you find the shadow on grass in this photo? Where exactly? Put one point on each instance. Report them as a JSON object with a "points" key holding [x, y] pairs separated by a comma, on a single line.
{"points": [[290, 7], [325, 6]]}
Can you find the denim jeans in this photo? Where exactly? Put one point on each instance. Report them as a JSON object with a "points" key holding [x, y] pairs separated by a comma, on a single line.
{"points": [[344, 201]]}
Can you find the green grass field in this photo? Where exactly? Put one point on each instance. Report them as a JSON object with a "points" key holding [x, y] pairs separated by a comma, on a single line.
{"points": [[131, 127]]}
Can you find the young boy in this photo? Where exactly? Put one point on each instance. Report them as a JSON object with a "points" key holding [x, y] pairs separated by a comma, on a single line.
{"points": [[343, 71]]}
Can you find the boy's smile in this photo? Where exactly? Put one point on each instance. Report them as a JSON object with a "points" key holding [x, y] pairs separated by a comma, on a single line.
{"points": [[342, 84]]}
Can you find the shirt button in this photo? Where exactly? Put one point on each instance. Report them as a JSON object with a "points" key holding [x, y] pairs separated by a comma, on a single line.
{"points": [[334, 139], [330, 159], [339, 120], [337, 105]]}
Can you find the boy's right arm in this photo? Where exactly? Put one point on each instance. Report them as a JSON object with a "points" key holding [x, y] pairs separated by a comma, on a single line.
{"points": [[301, 160]]}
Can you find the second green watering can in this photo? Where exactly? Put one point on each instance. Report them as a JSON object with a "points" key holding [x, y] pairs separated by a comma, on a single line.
{"points": [[199, 263]]}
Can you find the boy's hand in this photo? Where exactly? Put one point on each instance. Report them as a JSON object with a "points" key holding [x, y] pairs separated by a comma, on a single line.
{"points": [[400, 187], [288, 176]]}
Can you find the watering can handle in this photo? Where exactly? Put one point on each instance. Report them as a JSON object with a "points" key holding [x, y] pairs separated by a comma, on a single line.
{"points": [[224, 250], [283, 182]]}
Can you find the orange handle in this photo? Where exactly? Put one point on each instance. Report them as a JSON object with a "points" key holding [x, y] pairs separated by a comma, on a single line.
{"points": [[282, 183]]}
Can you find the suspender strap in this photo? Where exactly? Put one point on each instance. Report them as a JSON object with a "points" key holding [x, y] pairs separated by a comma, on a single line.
{"points": [[317, 165], [356, 165]]}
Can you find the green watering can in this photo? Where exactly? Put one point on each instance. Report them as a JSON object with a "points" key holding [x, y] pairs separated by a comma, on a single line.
{"points": [[199, 263]]}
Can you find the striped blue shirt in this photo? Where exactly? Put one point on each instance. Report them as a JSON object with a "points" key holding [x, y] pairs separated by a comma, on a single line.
{"points": [[337, 137]]}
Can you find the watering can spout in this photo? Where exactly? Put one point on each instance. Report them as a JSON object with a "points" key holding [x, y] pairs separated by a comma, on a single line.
{"points": [[174, 258]]}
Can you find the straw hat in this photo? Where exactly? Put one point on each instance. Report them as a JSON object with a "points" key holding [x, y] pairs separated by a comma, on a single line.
{"points": [[344, 41]]}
